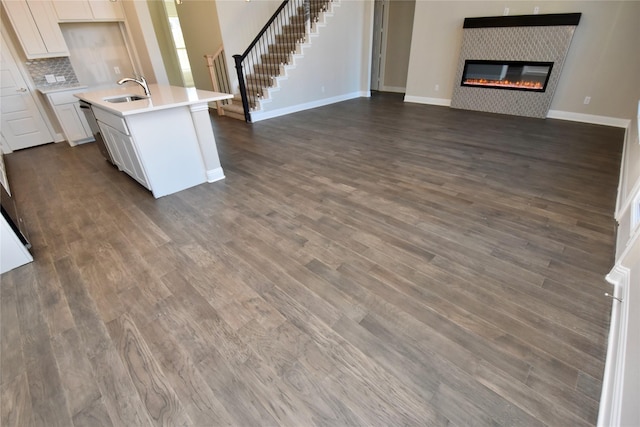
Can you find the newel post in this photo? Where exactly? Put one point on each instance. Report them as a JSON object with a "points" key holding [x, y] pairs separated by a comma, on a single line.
{"points": [[243, 89]]}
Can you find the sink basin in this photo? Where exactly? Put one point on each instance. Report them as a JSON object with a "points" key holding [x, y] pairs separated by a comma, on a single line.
{"points": [[125, 98]]}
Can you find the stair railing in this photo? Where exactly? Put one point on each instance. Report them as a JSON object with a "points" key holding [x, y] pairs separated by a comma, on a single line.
{"points": [[261, 61], [217, 64]]}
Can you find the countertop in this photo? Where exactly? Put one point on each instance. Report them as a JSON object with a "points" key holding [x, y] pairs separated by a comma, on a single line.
{"points": [[61, 88], [162, 97]]}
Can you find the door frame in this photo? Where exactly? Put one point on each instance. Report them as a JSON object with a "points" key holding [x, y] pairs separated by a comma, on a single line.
{"points": [[379, 7]]}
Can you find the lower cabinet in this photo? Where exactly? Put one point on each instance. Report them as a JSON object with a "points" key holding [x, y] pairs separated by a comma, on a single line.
{"points": [[124, 154], [159, 148], [71, 118]]}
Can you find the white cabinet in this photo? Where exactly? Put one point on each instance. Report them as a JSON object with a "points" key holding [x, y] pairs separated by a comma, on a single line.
{"points": [[88, 10], [107, 10], [13, 253], [71, 118], [36, 26], [73, 123], [127, 158], [121, 145]]}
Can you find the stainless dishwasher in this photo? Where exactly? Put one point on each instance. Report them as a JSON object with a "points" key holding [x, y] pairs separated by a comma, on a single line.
{"points": [[95, 129]]}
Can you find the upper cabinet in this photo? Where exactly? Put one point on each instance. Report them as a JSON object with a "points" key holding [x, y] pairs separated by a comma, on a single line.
{"points": [[88, 10], [36, 26]]}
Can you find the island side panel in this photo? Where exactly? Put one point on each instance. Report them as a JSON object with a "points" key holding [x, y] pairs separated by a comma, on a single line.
{"points": [[206, 141], [168, 147]]}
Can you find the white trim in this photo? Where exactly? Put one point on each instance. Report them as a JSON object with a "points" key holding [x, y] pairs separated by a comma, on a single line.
{"points": [[395, 89], [214, 175], [383, 42], [588, 118], [635, 215], [370, 38], [257, 116], [613, 379], [619, 196], [425, 100]]}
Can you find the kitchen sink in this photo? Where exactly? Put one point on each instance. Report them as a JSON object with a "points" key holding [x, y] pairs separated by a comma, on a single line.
{"points": [[125, 98]]}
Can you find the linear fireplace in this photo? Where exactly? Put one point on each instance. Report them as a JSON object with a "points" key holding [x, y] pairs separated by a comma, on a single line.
{"points": [[512, 75], [522, 53]]}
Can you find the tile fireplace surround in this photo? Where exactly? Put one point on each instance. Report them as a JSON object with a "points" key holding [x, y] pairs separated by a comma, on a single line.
{"points": [[544, 38]]}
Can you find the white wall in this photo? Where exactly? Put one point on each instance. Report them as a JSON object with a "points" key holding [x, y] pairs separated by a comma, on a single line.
{"points": [[621, 384], [602, 63]]}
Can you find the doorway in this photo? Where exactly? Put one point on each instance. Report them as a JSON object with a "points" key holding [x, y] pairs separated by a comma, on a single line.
{"points": [[391, 46]]}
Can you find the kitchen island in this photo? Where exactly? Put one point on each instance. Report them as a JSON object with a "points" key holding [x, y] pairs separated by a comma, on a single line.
{"points": [[164, 141]]}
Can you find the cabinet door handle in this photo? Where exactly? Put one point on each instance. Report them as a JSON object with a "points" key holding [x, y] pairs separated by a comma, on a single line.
{"points": [[21, 90]]}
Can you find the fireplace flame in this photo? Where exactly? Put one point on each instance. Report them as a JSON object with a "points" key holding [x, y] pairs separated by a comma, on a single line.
{"points": [[504, 83]]}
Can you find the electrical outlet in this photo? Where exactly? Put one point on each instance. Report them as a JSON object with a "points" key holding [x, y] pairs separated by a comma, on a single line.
{"points": [[506, 11], [536, 10], [116, 70], [61, 79], [437, 87], [50, 78], [587, 99]]}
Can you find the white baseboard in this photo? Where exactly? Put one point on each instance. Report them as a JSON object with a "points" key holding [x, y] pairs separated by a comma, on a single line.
{"points": [[264, 115], [552, 114], [430, 101], [588, 118], [214, 175], [614, 369]]}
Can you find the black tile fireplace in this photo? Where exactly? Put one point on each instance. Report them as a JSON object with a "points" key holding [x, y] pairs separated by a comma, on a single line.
{"points": [[511, 75]]}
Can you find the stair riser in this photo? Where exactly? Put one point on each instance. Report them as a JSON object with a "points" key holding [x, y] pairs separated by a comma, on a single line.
{"points": [[260, 83], [286, 47], [268, 69], [275, 58], [314, 10], [293, 29], [288, 39]]}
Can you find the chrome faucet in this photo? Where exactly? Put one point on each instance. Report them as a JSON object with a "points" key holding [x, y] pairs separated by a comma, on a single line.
{"points": [[140, 80]]}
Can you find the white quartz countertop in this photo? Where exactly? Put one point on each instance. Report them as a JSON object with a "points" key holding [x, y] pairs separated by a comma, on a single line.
{"points": [[62, 88], [162, 97]]}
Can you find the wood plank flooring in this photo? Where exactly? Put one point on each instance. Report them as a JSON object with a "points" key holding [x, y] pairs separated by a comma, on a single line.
{"points": [[369, 263]]}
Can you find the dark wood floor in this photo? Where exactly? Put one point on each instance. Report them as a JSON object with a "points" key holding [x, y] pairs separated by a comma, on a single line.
{"points": [[367, 263]]}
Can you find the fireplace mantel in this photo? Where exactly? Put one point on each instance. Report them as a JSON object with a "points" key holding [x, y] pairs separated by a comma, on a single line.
{"points": [[513, 39], [546, 20]]}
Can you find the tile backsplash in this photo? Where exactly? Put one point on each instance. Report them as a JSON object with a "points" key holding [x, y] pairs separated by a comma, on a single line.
{"points": [[39, 68]]}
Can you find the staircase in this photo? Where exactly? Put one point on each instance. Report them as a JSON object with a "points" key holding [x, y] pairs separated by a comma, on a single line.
{"points": [[264, 64]]}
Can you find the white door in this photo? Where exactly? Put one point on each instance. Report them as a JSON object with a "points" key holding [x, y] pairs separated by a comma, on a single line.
{"points": [[22, 123]]}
